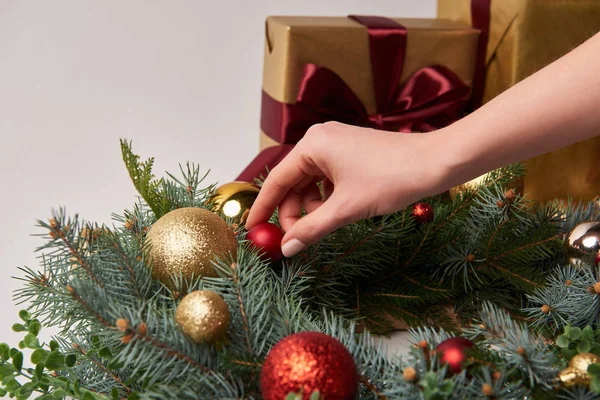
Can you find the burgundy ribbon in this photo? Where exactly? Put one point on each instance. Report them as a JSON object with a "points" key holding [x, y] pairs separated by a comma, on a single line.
{"points": [[480, 19], [433, 97]]}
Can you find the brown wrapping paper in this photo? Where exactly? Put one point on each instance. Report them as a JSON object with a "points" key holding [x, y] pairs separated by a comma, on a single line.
{"points": [[525, 36], [341, 45]]}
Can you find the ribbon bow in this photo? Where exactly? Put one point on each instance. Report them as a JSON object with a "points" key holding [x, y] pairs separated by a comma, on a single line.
{"points": [[433, 97]]}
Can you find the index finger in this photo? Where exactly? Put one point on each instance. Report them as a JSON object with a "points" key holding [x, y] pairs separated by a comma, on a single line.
{"points": [[279, 181]]}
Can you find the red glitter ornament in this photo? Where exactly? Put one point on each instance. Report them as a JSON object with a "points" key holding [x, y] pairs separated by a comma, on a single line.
{"points": [[267, 237], [597, 259], [453, 351], [306, 362], [422, 212]]}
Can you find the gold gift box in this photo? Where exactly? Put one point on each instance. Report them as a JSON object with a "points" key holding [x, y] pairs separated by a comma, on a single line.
{"points": [[342, 45], [525, 36]]}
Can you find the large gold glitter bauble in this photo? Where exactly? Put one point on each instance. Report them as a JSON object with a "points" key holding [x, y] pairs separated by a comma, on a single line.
{"points": [[203, 316], [517, 184], [233, 199], [186, 241], [576, 373], [583, 243]]}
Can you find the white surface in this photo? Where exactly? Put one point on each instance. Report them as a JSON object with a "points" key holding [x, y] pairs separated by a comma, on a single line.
{"points": [[180, 78]]}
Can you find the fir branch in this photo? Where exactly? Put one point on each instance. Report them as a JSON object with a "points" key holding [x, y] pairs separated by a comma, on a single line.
{"points": [[236, 281], [526, 246], [413, 281], [88, 307], [506, 271], [103, 368], [58, 231], [358, 244], [169, 351], [416, 251], [143, 180], [371, 387]]}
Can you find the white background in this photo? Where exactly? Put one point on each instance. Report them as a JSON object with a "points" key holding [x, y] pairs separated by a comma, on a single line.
{"points": [[180, 78]]}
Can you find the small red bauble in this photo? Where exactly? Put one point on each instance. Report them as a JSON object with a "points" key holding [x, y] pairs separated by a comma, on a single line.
{"points": [[422, 212], [306, 362], [267, 237], [597, 259], [453, 351]]}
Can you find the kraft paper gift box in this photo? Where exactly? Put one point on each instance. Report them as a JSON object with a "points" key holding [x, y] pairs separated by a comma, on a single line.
{"points": [[341, 68], [525, 36]]}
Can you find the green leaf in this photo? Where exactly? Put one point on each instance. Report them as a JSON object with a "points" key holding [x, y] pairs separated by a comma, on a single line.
{"points": [[574, 333], [95, 341], [7, 370], [71, 360], [34, 327], [55, 361], [24, 315], [2, 392], [447, 387], [568, 353], [25, 390], [4, 351], [587, 333], [38, 356], [39, 370], [76, 388], [114, 394], [133, 396], [105, 353], [60, 394], [594, 370], [12, 385], [584, 346], [17, 361], [19, 328], [115, 364], [31, 341], [595, 385], [53, 345], [316, 395], [88, 396], [22, 345], [562, 341]]}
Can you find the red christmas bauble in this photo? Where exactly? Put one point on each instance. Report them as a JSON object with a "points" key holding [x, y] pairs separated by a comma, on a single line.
{"points": [[422, 212], [306, 362], [267, 237], [453, 351]]}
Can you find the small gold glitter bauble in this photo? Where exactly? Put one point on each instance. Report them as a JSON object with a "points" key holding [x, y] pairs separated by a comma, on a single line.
{"points": [[234, 198], [203, 316], [583, 243], [576, 373], [518, 184], [186, 241]]}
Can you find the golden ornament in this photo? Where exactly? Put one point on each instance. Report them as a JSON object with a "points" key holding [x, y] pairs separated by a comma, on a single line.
{"points": [[186, 241], [583, 243], [517, 184], [203, 315], [234, 198], [576, 373]]}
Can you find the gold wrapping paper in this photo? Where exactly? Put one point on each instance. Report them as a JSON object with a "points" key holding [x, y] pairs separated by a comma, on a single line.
{"points": [[525, 36], [341, 45]]}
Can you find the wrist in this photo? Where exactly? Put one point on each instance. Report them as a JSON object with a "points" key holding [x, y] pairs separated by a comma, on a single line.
{"points": [[456, 161]]}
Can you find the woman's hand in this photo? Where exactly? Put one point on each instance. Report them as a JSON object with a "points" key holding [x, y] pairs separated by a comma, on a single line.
{"points": [[364, 173]]}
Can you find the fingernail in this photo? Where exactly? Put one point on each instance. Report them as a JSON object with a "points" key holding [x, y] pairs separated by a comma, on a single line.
{"points": [[292, 247]]}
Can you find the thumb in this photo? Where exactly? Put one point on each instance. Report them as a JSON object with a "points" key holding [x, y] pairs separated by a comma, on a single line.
{"points": [[331, 215]]}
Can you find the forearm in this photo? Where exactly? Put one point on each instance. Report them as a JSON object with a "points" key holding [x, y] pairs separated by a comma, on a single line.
{"points": [[557, 106]]}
